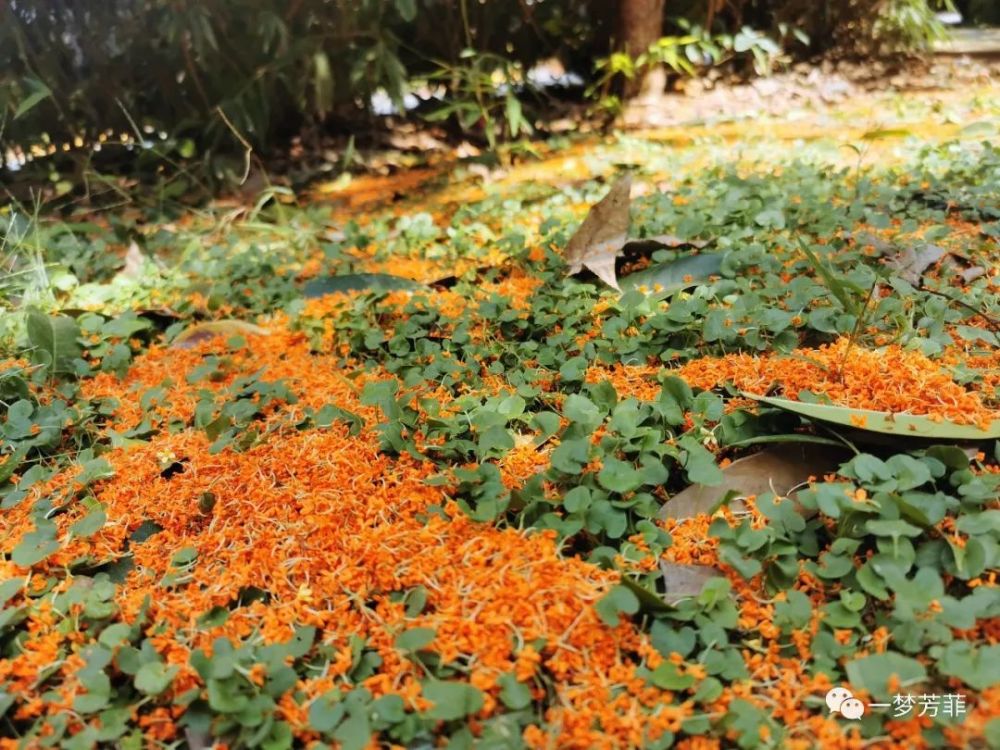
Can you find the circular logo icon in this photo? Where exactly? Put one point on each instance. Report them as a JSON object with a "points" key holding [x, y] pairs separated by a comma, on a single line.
{"points": [[836, 696], [852, 709], [841, 701]]}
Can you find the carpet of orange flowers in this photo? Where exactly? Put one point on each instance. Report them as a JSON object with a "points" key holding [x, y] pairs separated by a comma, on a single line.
{"points": [[326, 525], [887, 379]]}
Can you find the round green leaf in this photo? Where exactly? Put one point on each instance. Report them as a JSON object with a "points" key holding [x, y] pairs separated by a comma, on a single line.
{"points": [[872, 673], [90, 524], [514, 694], [452, 700], [619, 599], [154, 677], [326, 711], [415, 639]]}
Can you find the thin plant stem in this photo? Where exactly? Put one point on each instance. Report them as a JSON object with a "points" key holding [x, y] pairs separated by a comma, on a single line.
{"points": [[857, 329]]}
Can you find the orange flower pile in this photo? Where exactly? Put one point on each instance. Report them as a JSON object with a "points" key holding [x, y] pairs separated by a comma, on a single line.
{"points": [[521, 463], [637, 381], [329, 527], [889, 379]]}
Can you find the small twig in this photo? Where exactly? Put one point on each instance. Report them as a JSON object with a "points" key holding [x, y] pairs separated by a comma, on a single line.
{"points": [[242, 140], [857, 327], [993, 323], [710, 15], [464, 8], [140, 138]]}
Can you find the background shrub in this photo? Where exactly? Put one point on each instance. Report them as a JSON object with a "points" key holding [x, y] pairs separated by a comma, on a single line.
{"points": [[206, 70]]}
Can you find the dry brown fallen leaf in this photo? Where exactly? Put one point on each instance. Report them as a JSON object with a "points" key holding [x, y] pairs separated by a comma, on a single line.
{"points": [[777, 469], [911, 262], [201, 331], [135, 262], [684, 581], [602, 234], [962, 267]]}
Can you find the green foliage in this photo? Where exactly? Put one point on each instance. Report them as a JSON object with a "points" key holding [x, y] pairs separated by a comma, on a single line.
{"points": [[983, 12], [689, 54], [252, 69], [54, 341], [213, 78], [452, 700], [862, 27], [486, 95], [872, 555], [619, 600], [909, 24]]}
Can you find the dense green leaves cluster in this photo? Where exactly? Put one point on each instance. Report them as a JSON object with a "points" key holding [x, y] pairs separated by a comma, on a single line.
{"points": [[886, 564], [269, 68]]}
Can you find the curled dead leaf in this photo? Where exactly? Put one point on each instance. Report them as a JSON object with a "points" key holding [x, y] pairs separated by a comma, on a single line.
{"points": [[602, 234], [135, 262], [911, 262], [646, 245], [962, 267]]}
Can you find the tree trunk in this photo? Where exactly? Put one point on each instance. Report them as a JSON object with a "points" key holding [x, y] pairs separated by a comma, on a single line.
{"points": [[641, 24]]}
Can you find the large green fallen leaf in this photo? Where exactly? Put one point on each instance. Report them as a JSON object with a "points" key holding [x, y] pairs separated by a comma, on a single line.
{"points": [[54, 340], [201, 331], [675, 275], [356, 282], [907, 425]]}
